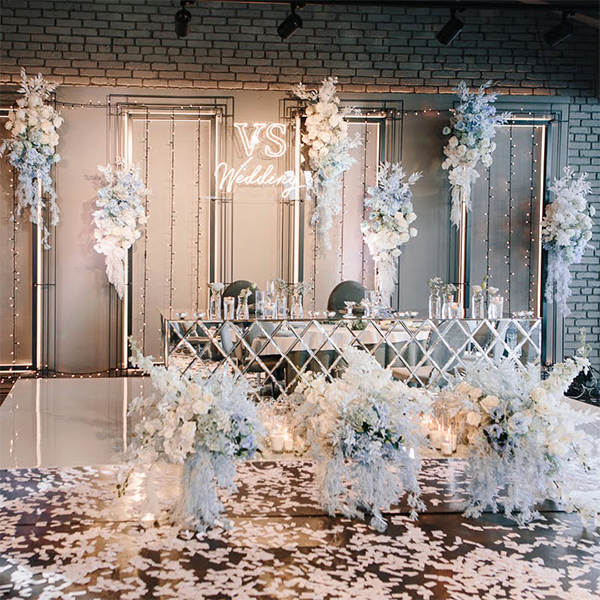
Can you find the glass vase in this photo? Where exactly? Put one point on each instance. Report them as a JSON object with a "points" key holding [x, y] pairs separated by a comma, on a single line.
{"points": [[214, 306], [495, 307], [281, 306], [435, 306], [448, 299], [478, 306], [297, 310], [243, 309]]}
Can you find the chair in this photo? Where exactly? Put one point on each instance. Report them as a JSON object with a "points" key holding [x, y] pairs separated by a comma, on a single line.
{"points": [[233, 290], [350, 291]]}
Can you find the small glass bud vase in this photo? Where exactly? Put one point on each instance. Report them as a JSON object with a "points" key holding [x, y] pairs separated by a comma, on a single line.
{"points": [[228, 308], [495, 307], [447, 305], [243, 310], [214, 306], [478, 306], [297, 310], [435, 306], [281, 306]]}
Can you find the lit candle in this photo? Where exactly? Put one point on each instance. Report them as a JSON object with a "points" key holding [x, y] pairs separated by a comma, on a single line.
{"points": [[437, 437], [447, 448], [277, 442], [288, 443]]}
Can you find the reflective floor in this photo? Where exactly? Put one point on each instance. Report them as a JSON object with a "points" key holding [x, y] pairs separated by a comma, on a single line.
{"points": [[81, 422], [67, 422]]}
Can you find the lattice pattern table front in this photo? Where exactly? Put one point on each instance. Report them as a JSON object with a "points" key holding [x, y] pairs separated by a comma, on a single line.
{"points": [[274, 355]]}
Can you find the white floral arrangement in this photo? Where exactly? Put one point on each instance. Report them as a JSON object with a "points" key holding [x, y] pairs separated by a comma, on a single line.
{"points": [[119, 218], [566, 233], [389, 224], [525, 441], [363, 429], [33, 127], [204, 425], [471, 131], [328, 143]]}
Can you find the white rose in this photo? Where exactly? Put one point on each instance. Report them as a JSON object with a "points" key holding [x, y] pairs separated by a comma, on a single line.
{"points": [[34, 100], [404, 237], [410, 217], [538, 394], [486, 160], [413, 232], [19, 128], [474, 419], [453, 142], [489, 402], [557, 448], [477, 289], [461, 150], [324, 151], [325, 136]]}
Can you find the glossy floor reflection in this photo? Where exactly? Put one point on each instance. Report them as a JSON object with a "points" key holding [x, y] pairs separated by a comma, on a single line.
{"points": [[67, 422]]}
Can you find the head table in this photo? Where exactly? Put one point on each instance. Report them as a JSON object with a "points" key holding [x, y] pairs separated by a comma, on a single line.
{"points": [[275, 354]]}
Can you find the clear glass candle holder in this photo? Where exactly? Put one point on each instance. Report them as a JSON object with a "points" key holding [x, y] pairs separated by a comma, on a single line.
{"points": [[495, 307], [271, 309], [228, 308], [455, 310]]}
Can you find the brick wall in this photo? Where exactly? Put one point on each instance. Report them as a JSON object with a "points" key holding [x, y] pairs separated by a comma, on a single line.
{"points": [[132, 43]]}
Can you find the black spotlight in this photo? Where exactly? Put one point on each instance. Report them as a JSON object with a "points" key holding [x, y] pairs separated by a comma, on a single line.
{"points": [[183, 18], [291, 23], [559, 33], [450, 30]]}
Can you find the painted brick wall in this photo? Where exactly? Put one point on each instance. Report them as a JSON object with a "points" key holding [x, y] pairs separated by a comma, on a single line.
{"points": [[132, 43]]}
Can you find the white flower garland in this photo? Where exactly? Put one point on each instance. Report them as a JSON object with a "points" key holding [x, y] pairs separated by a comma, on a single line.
{"points": [[119, 218], [33, 126], [326, 138], [206, 426], [523, 438], [363, 429], [566, 232], [389, 223], [473, 127]]}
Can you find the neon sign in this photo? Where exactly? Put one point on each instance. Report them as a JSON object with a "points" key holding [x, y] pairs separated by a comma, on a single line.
{"points": [[265, 140]]}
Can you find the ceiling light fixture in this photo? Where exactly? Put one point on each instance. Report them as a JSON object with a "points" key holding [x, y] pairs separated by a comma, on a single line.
{"points": [[561, 32], [292, 23], [450, 30]]}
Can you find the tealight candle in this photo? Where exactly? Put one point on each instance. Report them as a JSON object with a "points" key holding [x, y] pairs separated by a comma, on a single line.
{"points": [[277, 442], [437, 437], [447, 448], [288, 443]]}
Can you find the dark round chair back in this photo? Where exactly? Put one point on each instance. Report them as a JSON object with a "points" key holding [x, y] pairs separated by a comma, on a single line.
{"points": [[234, 289], [350, 291]]}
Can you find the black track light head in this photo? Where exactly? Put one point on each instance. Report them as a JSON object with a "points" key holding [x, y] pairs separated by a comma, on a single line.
{"points": [[183, 19], [292, 23], [450, 30], [559, 33]]}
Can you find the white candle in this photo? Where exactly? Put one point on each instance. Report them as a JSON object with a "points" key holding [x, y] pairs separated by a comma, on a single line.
{"points": [[447, 448], [436, 436], [277, 442], [288, 443]]}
